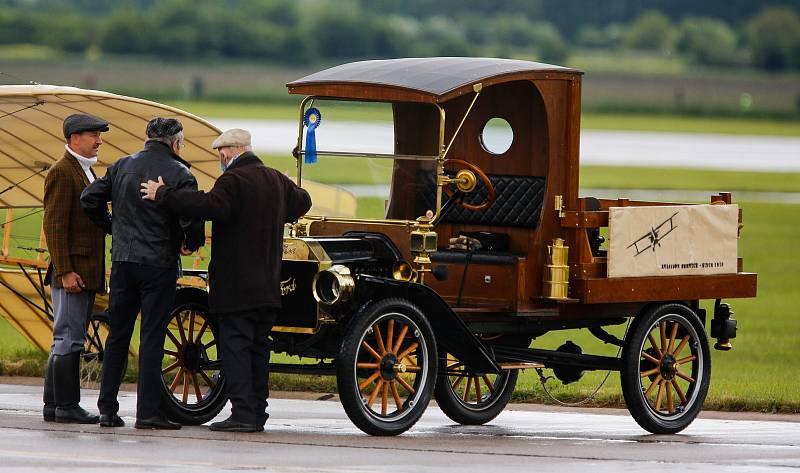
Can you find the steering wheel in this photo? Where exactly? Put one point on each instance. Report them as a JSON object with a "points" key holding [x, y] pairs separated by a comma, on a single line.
{"points": [[486, 182]]}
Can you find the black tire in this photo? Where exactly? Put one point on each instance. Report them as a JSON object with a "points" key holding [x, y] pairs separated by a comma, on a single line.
{"points": [[191, 362], [388, 354], [675, 334], [471, 398]]}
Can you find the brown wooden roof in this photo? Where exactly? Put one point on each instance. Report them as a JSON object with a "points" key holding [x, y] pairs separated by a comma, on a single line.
{"points": [[433, 79]]}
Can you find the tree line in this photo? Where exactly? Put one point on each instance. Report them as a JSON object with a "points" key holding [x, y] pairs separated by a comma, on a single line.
{"points": [[713, 32]]}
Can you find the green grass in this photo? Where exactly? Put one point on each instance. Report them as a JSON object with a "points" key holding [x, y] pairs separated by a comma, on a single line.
{"points": [[689, 124], [618, 177], [27, 52], [628, 61]]}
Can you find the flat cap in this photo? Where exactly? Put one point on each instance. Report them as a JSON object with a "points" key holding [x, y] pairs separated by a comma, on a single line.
{"points": [[163, 127], [80, 122], [233, 137]]}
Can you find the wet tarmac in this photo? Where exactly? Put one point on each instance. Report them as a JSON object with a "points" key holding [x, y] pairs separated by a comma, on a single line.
{"points": [[316, 436], [599, 147]]}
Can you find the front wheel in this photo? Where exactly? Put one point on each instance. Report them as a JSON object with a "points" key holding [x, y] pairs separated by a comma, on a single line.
{"points": [[193, 384], [471, 398], [666, 368], [386, 367]]}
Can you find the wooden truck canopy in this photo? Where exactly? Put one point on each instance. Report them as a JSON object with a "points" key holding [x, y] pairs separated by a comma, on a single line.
{"points": [[431, 80]]}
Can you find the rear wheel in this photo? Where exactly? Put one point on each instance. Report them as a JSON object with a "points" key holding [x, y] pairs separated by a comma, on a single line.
{"points": [[193, 384], [472, 398], [666, 368], [386, 367], [94, 351]]}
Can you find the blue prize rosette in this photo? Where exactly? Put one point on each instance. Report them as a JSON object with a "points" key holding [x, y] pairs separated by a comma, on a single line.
{"points": [[311, 120]]}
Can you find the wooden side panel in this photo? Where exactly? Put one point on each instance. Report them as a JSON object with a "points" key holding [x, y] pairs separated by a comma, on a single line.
{"points": [[664, 288], [493, 287]]}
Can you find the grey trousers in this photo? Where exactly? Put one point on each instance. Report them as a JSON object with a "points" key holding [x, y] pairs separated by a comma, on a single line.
{"points": [[71, 313]]}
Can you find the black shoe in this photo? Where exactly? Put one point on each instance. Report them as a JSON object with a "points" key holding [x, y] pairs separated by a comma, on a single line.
{"points": [[67, 389], [159, 423], [111, 420], [49, 413], [262, 419], [75, 415], [230, 425]]}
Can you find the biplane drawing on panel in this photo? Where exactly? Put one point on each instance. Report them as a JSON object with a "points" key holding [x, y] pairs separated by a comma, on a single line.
{"points": [[652, 239]]}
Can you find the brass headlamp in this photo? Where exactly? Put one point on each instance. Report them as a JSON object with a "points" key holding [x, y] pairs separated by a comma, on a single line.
{"points": [[333, 285]]}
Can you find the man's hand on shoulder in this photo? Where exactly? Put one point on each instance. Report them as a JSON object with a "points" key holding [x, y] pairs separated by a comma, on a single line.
{"points": [[150, 188], [185, 251], [72, 282]]}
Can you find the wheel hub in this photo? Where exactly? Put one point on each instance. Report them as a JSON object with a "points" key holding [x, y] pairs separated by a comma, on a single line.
{"points": [[191, 357], [669, 366], [388, 366]]}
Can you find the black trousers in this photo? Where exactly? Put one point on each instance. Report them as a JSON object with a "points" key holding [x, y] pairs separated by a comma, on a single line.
{"points": [[136, 287], [245, 362]]}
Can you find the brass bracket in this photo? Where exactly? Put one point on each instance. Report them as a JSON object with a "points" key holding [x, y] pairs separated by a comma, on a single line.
{"points": [[298, 229], [559, 205], [423, 243]]}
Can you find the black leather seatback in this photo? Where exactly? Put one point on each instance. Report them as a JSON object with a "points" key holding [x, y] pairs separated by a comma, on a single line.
{"points": [[518, 203]]}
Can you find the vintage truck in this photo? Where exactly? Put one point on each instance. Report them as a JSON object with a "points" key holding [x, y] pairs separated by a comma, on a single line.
{"points": [[399, 314], [483, 247]]}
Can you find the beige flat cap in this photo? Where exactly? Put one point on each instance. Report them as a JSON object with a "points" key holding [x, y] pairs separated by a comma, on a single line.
{"points": [[234, 137]]}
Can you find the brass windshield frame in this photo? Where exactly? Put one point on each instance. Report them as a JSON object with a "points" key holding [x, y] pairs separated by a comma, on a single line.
{"points": [[299, 153]]}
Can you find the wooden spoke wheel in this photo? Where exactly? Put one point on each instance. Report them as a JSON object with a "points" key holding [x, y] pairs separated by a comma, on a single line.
{"points": [[386, 367], [194, 387], [472, 398], [666, 368], [94, 351]]}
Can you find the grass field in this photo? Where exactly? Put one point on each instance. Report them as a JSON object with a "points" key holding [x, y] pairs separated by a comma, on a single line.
{"points": [[336, 111], [760, 373]]}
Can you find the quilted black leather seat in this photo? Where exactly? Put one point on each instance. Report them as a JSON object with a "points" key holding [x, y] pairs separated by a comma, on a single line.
{"points": [[518, 204]]}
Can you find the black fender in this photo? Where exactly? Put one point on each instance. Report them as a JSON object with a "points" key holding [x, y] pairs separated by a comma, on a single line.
{"points": [[452, 334], [187, 294]]}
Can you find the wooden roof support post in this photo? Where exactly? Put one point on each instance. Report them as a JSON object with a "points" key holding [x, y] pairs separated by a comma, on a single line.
{"points": [[7, 231]]}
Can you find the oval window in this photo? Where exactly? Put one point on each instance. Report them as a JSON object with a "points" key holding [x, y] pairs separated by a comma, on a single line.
{"points": [[496, 136]]}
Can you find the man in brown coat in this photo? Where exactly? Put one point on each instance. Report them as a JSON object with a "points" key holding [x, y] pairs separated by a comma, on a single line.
{"points": [[77, 266], [248, 206]]}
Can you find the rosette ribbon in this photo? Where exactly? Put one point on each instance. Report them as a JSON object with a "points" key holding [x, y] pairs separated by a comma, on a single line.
{"points": [[311, 120]]}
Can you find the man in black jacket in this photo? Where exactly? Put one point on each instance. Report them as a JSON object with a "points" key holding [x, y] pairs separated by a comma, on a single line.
{"points": [[249, 205], [146, 242]]}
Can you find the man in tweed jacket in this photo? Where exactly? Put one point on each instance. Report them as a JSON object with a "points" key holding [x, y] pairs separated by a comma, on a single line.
{"points": [[77, 266]]}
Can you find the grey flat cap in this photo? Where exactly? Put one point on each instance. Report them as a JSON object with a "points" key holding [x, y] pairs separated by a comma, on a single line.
{"points": [[80, 122], [234, 137]]}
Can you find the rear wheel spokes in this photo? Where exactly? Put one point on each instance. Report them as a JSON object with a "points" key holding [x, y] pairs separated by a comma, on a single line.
{"points": [[477, 389], [190, 358], [665, 382]]}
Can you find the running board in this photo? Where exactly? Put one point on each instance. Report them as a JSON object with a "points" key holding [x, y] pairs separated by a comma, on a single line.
{"points": [[553, 358]]}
